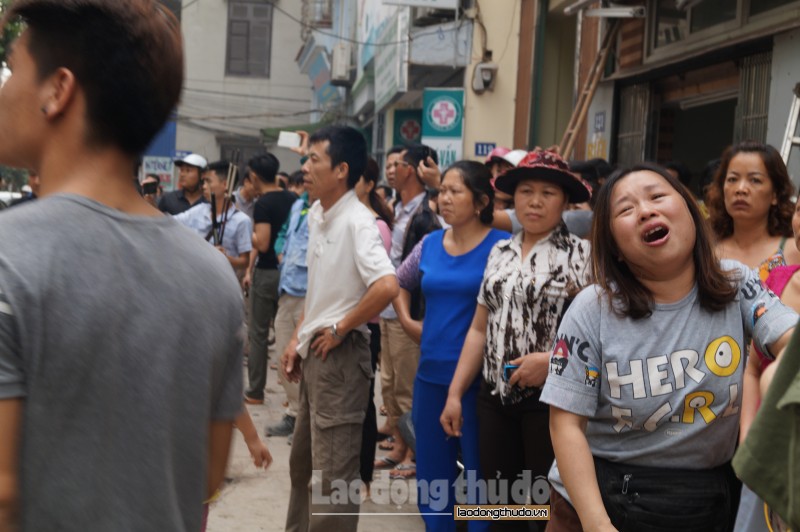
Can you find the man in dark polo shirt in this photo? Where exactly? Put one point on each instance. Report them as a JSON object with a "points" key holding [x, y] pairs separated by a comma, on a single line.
{"points": [[269, 215], [189, 192]]}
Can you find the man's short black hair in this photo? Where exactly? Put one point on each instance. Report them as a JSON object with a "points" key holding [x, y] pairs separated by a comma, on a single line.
{"points": [[296, 179], [346, 145], [592, 170], [419, 152], [265, 166], [283, 180], [395, 149], [127, 57], [220, 168]]}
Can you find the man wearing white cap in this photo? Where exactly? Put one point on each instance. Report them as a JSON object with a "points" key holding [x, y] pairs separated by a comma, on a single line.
{"points": [[189, 193]]}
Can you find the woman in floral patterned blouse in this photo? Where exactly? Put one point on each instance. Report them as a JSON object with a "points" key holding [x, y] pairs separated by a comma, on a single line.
{"points": [[528, 282]]}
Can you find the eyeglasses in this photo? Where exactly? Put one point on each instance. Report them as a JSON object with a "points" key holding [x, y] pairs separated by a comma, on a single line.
{"points": [[396, 164]]}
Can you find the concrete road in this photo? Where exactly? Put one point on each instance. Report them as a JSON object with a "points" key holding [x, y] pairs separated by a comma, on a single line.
{"points": [[256, 500]]}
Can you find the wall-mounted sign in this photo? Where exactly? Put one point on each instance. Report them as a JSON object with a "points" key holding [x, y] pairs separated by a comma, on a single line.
{"points": [[162, 167], [482, 149], [391, 61], [407, 126], [443, 123]]}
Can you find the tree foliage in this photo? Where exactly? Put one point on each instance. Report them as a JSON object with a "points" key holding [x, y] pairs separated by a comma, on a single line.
{"points": [[13, 178], [10, 32]]}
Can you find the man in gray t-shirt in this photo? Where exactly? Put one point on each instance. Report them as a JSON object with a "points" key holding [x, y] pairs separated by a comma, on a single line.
{"points": [[121, 364], [120, 330], [663, 391]]}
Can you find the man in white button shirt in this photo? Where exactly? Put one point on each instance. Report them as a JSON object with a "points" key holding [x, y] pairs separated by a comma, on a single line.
{"points": [[350, 280]]}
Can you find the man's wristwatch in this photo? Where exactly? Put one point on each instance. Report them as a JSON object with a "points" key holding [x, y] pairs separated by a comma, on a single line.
{"points": [[335, 334]]}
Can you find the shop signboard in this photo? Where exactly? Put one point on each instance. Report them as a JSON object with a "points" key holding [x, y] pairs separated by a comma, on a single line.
{"points": [[443, 123]]}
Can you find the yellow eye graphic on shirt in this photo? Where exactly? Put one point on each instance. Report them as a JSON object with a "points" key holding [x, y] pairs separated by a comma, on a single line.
{"points": [[723, 356]]}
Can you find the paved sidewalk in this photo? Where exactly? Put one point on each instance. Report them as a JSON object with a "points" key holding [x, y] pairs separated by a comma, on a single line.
{"points": [[256, 500]]}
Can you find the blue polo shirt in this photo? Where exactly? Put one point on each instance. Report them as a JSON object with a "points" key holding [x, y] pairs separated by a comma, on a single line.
{"points": [[294, 268]]}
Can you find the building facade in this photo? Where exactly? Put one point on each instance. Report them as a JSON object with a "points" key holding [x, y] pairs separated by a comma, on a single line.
{"points": [[689, 78], [240, 79], [403, 71]]}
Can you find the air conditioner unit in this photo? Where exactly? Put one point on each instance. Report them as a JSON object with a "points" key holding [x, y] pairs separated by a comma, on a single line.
{"points": [[341, 71], [428, 16]]}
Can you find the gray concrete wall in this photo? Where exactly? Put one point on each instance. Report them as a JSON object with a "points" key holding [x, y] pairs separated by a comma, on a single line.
{"points": [[785, 75]]}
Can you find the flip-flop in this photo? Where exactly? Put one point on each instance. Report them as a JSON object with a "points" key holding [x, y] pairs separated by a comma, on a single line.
{"points": [[403, 471], [387, 444], [383, 436], [382, 411], [384, 462]]}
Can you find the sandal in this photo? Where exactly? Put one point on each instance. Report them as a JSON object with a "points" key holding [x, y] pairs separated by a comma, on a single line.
{"points": [[387, 444], [382, 411], [403, 471], [384, 462]]}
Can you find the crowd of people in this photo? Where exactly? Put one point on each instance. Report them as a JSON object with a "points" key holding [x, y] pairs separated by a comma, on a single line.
{"points": [[598, 334], [568, 328]]}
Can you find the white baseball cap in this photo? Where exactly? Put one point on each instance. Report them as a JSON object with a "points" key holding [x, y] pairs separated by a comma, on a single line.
{"points": [[193, 159], [514, 156]]}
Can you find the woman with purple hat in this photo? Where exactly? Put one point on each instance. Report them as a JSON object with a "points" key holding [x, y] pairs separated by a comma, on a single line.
{"points": [[527, 285]]}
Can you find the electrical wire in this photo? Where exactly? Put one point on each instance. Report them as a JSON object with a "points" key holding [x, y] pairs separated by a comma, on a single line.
{"points": [[511, 21], [251, 96], [484, 33], [229, 81], [231, 107], [252, 115], [347, 39], [356, 41]]}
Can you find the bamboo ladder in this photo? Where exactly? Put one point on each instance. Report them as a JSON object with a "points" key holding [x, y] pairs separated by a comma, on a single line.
{"points": [[587, 94]]}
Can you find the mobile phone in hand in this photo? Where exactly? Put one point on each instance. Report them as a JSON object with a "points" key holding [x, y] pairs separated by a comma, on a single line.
{"points": [[509, 370], [289, 139], [150, 188]]}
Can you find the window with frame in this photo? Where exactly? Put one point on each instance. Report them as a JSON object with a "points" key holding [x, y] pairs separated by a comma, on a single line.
{"points": [[321, 13], [671, 24], [674, 24], [249, 38]]}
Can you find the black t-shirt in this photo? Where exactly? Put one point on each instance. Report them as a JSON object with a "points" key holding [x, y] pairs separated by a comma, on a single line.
{"points": [[175, 202], [272, 208]]}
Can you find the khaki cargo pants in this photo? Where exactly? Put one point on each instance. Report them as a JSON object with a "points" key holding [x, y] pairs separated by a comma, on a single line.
{"points": [[327, 438]]}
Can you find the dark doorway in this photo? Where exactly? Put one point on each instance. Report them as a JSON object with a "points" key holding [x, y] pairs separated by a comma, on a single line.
{"points": [[695, 134]]}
